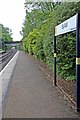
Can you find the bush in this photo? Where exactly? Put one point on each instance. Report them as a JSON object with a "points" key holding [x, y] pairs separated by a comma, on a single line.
{"points": [[39, 39]]}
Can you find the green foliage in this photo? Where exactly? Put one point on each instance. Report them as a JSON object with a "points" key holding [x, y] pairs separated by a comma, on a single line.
{"points": [[32, 38], [6, 34], [38, 34], [66, 51]]}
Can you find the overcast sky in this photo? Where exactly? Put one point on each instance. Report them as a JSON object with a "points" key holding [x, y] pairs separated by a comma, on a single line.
{"points": [[12, 15]]}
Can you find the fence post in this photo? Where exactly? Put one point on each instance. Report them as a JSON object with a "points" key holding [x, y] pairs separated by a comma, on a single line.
{"points": [[78, 62]]}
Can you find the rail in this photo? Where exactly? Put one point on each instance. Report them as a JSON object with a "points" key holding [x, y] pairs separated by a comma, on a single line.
{"points": [[5, 58]]}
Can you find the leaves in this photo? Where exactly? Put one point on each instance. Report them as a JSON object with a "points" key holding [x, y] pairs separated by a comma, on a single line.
{"points": [[6, 34], [38, 32]]}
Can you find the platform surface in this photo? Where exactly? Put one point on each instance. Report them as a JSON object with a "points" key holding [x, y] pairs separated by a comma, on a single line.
{"points": [[32, 95]]}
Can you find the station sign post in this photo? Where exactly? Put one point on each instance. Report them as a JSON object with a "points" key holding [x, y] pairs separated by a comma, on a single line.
{"points": [[78, 62], [67, 26]]}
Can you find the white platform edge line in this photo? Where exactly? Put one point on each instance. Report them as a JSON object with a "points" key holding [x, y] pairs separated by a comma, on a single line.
{"points": [[9, 62]]}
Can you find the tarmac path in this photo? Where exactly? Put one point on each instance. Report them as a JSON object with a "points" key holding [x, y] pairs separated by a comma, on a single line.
{"points": [[31, 94]]}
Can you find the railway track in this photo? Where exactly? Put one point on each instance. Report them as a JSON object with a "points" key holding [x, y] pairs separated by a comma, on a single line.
{"points": [[6, 57]]}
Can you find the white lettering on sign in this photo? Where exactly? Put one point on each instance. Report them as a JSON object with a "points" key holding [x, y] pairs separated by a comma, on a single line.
{"points": [[66, 26]]}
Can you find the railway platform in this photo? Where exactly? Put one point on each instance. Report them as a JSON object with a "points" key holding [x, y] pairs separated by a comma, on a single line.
{"points": [[31, 95]]}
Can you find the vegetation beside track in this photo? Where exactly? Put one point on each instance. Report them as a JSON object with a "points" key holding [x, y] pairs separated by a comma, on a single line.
{"points": [[5, 35], [38, 33]]}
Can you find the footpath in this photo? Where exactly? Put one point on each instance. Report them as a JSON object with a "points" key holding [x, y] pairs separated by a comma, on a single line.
{"points": [[31, 94]]}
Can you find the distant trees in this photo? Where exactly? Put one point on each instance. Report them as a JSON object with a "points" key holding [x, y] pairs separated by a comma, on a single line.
{"points": [[6, 34]]}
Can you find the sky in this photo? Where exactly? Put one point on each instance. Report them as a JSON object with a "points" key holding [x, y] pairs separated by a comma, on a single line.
{"points": [[12, 15]]}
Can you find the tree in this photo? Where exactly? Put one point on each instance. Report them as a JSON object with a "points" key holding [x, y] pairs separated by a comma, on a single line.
{"points": [[6, 34], [38, 31]]}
